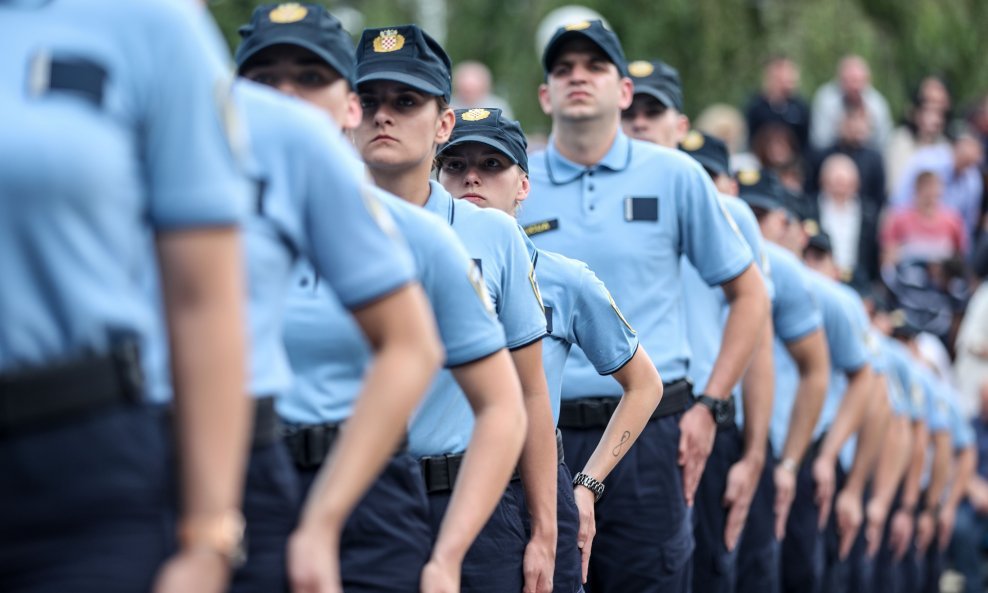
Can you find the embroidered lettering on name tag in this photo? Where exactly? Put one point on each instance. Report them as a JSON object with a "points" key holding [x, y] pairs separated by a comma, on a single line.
{"points": [[541, 227]]}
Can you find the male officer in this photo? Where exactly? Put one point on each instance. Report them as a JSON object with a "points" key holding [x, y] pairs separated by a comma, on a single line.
{"points": [[801, 369], [597, 198], [848, 397], [729, 480], [656, 112]]}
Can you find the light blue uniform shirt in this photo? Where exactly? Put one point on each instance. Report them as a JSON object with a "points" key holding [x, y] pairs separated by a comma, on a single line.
{"points": [[444, 422], [329, 353], [845, 333], [879, 359], [706, 307], [905, 370], [961, 431], [310, 200], [795, 315], [630, 218], [113, 130], [579, 312]]}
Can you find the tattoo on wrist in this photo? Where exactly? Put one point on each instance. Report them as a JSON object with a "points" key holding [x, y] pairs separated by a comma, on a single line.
{"points": [[625, 437]]}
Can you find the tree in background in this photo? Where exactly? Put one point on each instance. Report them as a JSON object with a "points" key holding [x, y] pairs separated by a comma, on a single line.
{"points": [[717, 45]]}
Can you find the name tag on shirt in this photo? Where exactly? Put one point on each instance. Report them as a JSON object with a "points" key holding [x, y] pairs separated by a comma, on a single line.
{"points": [[548, 319], [541, 227], [79, 76], [645, 208]]}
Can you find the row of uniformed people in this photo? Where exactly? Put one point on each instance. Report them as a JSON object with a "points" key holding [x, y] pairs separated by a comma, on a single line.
{"points": [[402, 77]]}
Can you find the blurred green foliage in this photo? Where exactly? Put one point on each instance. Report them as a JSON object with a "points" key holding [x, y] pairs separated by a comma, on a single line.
{"points": [[718, 45]]}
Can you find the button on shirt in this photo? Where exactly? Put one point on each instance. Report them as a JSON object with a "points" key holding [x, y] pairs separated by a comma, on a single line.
{"points": [[113, 130], [310, 199], [630, 218], [329, 353], [444, 422]]}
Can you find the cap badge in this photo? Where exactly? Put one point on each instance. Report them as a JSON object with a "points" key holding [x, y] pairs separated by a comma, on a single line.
{"points": [[811, 228], [578, 26], [475, 115], [693, 141], [640, 68], [292, 12], [388, 40], [749, 177]]}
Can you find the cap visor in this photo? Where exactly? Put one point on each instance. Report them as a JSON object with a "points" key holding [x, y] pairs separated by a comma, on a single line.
{"points": [[417, 83], [315, 48], [486, 140], [761, 201], [711, 164], [661, 96]]}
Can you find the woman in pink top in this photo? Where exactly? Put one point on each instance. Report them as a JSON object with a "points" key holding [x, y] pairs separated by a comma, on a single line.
{"points": [[925, 231]]}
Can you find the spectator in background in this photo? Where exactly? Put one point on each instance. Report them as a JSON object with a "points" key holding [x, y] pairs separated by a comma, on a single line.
{"points": [[924, 124], [726, 123], [926, 230], [851, 222], [780, 102], [971, 364], [971, 525], [978, 118], [957, 166], [472, 87], [854, 130], [852, 87], [777, 149]]}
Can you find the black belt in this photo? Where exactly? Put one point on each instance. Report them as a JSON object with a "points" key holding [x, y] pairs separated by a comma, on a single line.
{"points": [[41, 397], [596, 412], [310, 444], [440, 471], [267, 424]]}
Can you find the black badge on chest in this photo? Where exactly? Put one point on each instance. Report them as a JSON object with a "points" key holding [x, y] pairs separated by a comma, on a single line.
{"points": [[541, 227], [641, 208], [82, 77]]}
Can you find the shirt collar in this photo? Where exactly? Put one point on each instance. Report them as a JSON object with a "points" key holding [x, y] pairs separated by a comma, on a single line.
{"points": [[562, 170], [440, 202]]}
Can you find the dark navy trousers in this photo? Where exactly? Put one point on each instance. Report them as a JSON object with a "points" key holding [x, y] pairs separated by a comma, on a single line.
{"points": [[568, 577], [803, 551], [388, 538], [271, 502], [644, 540], [759, 551], [87, 505], [714, 567], [494, 562]]}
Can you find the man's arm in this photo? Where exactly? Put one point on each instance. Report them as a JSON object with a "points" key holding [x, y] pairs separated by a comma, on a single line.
{"points": [[742, 478], [929, 515], [849, 512], [749, 308], [966, 463], [893, 462], [850, 416]]}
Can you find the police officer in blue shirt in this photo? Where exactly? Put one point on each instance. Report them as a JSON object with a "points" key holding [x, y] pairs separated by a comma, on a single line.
{"points": [[629, 209], [485, 163], [656, 111], [731, 476], [99, 157], [848, 566], [802, 366], [848, 397], [330, 356], [311, 201], [403, 80]]}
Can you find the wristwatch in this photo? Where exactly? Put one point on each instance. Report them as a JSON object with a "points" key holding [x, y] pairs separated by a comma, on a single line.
{"points": [[721, 409], [590, 484], [789, 464], [222, 534]]}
